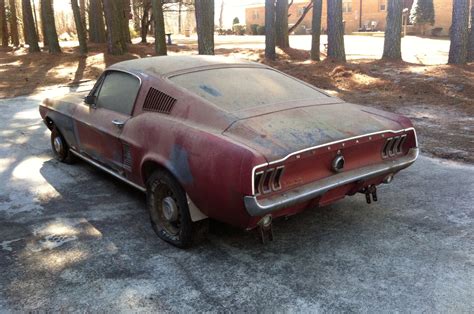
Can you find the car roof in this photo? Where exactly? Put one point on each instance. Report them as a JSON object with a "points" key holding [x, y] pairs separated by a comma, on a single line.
{"points": [[166, 65]]}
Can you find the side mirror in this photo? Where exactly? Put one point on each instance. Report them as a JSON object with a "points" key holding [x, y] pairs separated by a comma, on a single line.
{"points": [[89, 99]]}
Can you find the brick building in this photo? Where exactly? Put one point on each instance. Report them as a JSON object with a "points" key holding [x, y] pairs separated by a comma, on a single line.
{"points": [[357, 14]]}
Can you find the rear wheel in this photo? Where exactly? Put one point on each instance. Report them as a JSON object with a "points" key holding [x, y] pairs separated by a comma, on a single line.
{"points": [[60, 148], [169, 212]]}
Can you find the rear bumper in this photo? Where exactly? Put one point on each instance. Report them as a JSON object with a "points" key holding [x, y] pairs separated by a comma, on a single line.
{"points": [[310, 191]]}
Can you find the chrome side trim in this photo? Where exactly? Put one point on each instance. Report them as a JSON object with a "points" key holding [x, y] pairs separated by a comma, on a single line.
{"points": [[327, 144], [116, 175], [315, 189]]}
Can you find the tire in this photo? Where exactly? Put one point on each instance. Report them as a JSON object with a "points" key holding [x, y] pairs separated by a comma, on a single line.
{"points": [[60, 147], [169, 212]]}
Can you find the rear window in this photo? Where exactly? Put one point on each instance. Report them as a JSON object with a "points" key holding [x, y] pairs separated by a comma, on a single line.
{"points": [[235, 89]]}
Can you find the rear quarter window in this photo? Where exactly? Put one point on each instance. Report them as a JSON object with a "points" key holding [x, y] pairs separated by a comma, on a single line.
{"points": [[235, 89]]}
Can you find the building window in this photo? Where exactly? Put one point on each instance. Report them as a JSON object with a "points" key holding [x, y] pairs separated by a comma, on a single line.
{"points": [[301, 11], [382, 5], [255, 15], [346, 6]]}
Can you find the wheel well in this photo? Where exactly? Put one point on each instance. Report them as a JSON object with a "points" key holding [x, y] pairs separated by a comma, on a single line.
{"points": [[149, 167]]}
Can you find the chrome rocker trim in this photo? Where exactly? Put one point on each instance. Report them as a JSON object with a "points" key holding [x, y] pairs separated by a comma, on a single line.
{"points": [[312, 190]]}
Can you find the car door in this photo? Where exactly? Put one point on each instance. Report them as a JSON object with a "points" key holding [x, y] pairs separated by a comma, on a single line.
{"points": [[100, 123]]}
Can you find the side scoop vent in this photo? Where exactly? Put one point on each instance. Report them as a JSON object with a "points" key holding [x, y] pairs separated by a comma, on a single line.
{"points": [[158, 101]]}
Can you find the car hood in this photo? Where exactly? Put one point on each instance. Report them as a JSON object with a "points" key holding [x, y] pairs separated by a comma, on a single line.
{"points": [[280, 133]]}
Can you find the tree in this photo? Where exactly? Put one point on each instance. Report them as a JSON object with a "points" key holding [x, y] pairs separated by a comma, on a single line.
{"points": [[281, 24], [336, 49], [3, 24], [50, 26], [393, 39], [145, 20], [205, 26], [270, 34], [96, 22], [29, 26], [83, 9], [459, 32], [160, 40], [14, 24], [125, 19], [116, 43], [422, 13], [81, 32], [43, 26], [303, 15], [316, 30], [470, 48], [235, 20]]}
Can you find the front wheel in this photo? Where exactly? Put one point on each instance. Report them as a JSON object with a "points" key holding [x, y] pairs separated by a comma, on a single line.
{"points": [[60, 148], [169, 211]]}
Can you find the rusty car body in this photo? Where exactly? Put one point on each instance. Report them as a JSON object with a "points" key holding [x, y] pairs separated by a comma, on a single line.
{"points": [[235, 141]]}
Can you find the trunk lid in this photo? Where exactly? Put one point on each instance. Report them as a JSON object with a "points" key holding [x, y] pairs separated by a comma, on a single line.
{"points": [[279, 133]]}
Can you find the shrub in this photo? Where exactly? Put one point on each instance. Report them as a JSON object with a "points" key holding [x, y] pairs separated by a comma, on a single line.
{"points": [[254, 29], [261, 30], [239, 29]]}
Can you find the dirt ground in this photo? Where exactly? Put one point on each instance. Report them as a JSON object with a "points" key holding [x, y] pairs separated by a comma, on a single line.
{"points": [[438, 98]]}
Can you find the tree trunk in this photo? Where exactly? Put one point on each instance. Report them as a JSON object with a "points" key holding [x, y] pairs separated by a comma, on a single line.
{"points": [[14, 24], [459, 32], [50, 26], [470, 48], [205, 26], [281, 24], [29, 26], [43, 29], [393, 31], [336, 49], [81, 32], [96, 22], [160, 40], [316, 30], [83, 10], [3, 24], [125, 21], [145, 20], [270, 33], [113, 10]]}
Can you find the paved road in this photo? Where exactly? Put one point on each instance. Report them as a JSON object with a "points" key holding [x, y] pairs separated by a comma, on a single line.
{"points": [[72, 238], [414, 49]]}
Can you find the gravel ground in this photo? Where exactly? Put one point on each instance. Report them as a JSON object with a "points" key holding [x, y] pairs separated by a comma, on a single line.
{"points": [[74, 239]]}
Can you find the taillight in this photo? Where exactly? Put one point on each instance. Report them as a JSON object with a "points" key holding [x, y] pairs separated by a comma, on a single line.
{"points": [[268, 180], [393, 146]]}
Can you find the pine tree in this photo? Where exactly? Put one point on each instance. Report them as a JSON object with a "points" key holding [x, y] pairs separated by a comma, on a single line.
{"points": [[14, 24], [50, 26], [422, 13], [160, 40], [29, 26], [281, 24], [316, 30], [116, 43], [96, 22], [3, 24], [336, 49], [393, 39], [270, 33], [81, 32], [205, 26], [470, 47], [459, 32]]}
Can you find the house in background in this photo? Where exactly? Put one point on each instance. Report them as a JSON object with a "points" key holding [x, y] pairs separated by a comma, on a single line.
{"points": [[357, 14]]}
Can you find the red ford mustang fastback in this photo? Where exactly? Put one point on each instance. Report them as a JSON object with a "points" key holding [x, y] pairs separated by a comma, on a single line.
{"points": [[235, 141]]}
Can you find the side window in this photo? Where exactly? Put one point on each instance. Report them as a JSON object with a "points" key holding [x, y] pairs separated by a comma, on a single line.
{"points": [[118, 92]]}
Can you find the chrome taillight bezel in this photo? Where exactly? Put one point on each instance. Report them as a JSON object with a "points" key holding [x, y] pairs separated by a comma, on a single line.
{"points": [[268, 180]]}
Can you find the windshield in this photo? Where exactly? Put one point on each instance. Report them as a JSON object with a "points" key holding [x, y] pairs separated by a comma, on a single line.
{"points": [[235, 89]]}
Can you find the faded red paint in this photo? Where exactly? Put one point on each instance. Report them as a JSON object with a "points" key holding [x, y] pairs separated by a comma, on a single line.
{"points": [[213, 153]]}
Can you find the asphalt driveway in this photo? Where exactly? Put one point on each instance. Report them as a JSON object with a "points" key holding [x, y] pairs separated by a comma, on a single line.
{"points": [[74, 239]]}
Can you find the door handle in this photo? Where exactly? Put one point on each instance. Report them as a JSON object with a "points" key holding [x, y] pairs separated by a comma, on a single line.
{"points": [[118, 123]]}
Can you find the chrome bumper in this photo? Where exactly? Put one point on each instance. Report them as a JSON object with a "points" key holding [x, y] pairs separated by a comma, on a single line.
{"points": [[312, 190]]}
